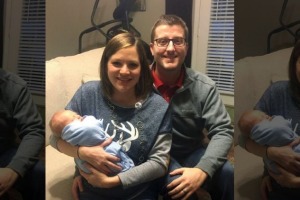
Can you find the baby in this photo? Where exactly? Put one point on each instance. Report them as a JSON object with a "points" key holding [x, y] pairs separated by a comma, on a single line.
{"points": [[86, 131], [270, 131]]}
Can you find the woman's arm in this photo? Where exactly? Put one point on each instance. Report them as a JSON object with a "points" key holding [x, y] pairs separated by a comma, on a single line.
{"points": [[156, 166], [62, 146], [284, 156], [94, 155], [67, 148], [251, 146], [255, 148]]}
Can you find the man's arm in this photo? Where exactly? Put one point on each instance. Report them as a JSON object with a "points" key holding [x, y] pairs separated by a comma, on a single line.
{"points": [[220, 133], [30, 128]]}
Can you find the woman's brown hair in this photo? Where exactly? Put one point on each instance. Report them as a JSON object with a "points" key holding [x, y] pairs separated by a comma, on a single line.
{"points": [[294, 81]]}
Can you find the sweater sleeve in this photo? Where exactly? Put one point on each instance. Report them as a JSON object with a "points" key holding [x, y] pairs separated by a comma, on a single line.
{"points": [[220, 133], [155, 167], [30, 129], [53, 141]]}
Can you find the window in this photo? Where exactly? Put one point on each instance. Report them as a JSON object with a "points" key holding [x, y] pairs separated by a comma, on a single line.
{"points": [[31, 62], [220, 47]]}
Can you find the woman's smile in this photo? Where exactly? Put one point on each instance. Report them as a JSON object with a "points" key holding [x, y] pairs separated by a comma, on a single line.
{"points": [[124, 70]]}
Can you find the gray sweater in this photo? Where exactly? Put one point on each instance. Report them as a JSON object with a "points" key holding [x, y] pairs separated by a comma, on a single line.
{"points": [[18, 112], [197, 106]]}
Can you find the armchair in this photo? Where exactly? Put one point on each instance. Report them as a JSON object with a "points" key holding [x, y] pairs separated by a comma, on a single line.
{"points": [[63, 77]]}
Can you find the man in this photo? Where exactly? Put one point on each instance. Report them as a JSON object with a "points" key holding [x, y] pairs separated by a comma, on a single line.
{"points": [[19, 117], [196, 106]]}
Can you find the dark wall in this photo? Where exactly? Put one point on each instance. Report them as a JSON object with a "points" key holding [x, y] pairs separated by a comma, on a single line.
{"points": [[183, 9], [1, 31], [255, 19]]}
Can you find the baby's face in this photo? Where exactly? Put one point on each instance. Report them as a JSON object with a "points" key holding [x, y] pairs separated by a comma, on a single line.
{"points": [[260, 116], [257, 116], [71, 116], [77, 117]]}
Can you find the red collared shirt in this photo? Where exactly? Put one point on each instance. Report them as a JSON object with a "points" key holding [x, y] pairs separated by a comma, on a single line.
{"points": [[167, 91]]}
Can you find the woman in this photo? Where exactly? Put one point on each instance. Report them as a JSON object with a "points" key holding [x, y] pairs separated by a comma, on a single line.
{"points": [[134, 116], [281, 98]]}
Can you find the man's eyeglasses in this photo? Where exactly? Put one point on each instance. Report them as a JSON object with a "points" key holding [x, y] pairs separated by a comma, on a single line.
{"points": [[164, 42]]}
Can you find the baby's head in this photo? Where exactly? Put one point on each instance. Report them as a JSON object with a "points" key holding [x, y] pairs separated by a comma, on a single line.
{"points": [[62, 118], [251, 118]]}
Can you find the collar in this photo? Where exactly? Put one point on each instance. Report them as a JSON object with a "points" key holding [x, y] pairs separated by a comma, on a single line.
{"points": [[159, 83]]}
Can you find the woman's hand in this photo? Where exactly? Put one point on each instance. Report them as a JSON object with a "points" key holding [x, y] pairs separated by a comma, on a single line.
{"points": [[77, 187], [286, 157], [285, 178], [99, 159], [265, 187], [99, 179]]}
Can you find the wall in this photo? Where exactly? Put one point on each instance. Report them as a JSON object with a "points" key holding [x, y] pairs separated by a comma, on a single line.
{"points": [[1, 31], [255, 19], [12, 22], [66, 19], [143, 21], [12, 18]]}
